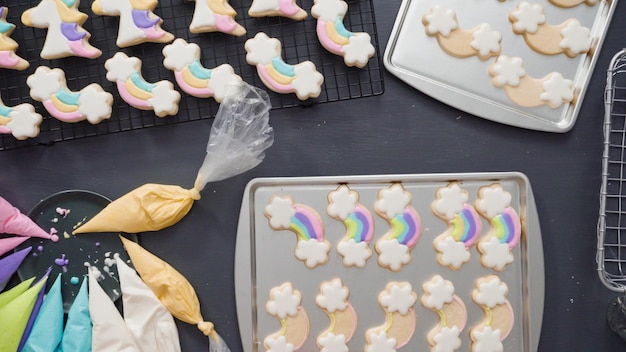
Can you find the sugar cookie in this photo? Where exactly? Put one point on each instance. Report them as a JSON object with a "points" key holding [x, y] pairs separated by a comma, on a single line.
{"points": [[194, 79], [285, 305], [496, 246], [8, 59], [394, 248], [397, 300], [464, 226], [490, 294], [552, 90], [568, 37], [215, 16], [138, 24], [333, 299], [283, 213], [284, 8], [303, 79], [126, 73], [480, 41], [439, 296], [343, 205], [21, 121], [91, 103], [572, 3], [355, 47], [65, 35]]}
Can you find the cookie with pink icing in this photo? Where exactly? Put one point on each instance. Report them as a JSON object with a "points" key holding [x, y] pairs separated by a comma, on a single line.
{"points": [[569, 37], [552, 90], [215, 16], [494, 204], [283, 213], [481, 41], [21, 121], [66, 36], [303, 79], [439, 297], [333, 299], [355, 47], [285, 305], [344, 205], [498, 318], [8, 58], [405, 227], [283, 8]]}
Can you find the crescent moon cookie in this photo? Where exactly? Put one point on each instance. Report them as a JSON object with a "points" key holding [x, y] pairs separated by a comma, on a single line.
{"points": [[194, 79], [496, 246], [284, 8], [569, 37], [215, 16], [125, 72], [573, 3], [480, 41], [138, 24], [303, 79], [397, 300], [355, 47], [65, 35], [439, 296], [405, 228], [8, 59], [552, 90], [285, 305], [283, 213], [464, 226], [490, 294], [49, 86], [343, 205], [333, 299], [21, 121]]}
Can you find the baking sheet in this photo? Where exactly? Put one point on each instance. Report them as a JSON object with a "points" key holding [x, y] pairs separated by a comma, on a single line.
{"points": [[265, 259], [466, 84]]}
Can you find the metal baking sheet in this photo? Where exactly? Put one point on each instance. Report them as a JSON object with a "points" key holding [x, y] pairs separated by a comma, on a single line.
{"points": [[417, 59], [265, 259]]}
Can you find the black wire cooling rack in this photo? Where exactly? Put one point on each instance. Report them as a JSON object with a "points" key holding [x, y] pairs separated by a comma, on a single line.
{"points": [[298, 38]]}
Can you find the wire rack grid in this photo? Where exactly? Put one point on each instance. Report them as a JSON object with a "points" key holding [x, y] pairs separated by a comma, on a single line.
{"points": [[299, 43]]}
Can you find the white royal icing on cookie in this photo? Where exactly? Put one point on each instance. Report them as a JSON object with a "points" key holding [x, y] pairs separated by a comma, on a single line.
{"points": [[379, 342], [393, 254], [329, 10], [44, 82], [359, 49], [164, 98], [94, 104], [453, 253], [493, 201], [492, 293], [307, 81], [280, 211], [262, 49], [333, 297], [450, 200], [392, 201], [439, 291], [441, 20], [333, 343], [278, 344], [24, 121], [398, 299], [120, 67], [342, 202], [487, 340], [486, 40], [495, 254], [557, 90], [354, 253], [447, 339], [508, 71], [223, 77], [312, 252], [180, 54], [576, 38], [528, 16], [284, 302]]}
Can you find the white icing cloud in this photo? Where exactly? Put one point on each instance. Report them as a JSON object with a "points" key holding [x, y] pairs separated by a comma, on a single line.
{"points": [[400, 298], [312, 252], [120, 67], [447, 339], [333, 297], [284, 301], [45, 82], [453, 253], [278, 344], [223, 77], [333, 343], [440, 20], [180, 54], [487, 340], [24, 122], [358, 50], [379, 342], [342, 202], [262, 49], [528, 17], [450, 200], [307, 82], [557, 90], [493, 201], [576, 38], [329, 10], [491, 293], [94, 103], [439, 292], [392, 201], [495, 255], [485, 40], [507, 71], [280, 210], [354, 253], [164, 99], [393, 254]]}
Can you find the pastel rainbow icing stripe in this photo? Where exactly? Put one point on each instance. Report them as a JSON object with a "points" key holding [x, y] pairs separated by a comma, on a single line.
{"points": [[333, 35], [223, 16], [466, 226], [5, 111], [406, 227], [507, 227], [144, 19], [8, 59], [64, 105], [70, 19], [306, 224], [136, 91], [359, 225], [194, 79], [278, 74]]}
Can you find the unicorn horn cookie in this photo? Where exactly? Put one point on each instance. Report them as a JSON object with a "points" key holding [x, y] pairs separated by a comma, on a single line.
{"points": [[284, 213], [355, 47], [343, 205], [394, 248], [303, 79], [397, 301], [8, 59], [568, 37], [480, 41], [65, 35], [126, 73], [464, 226], [215, 16], [284, 8], [184, 59], [439, 296], [552, 90], [333, 299], [496, 246], [91, 103], [284, 305], [21, 121], [138, 24], [490, 293]]}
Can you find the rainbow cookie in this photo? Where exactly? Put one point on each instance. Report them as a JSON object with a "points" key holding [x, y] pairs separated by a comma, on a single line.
{"points": [[498, 320], [215, 16], [91, 103], [333, 299], [138, 24], [397, 300], [284, 8], [8, 59], [496, 246], [343, 205], [285, 305], [21, 121], [439, 296], [184, 59], [464, 226], [65, 35], [126, 73], [394, 248], [355, 47], [303, 79]]}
